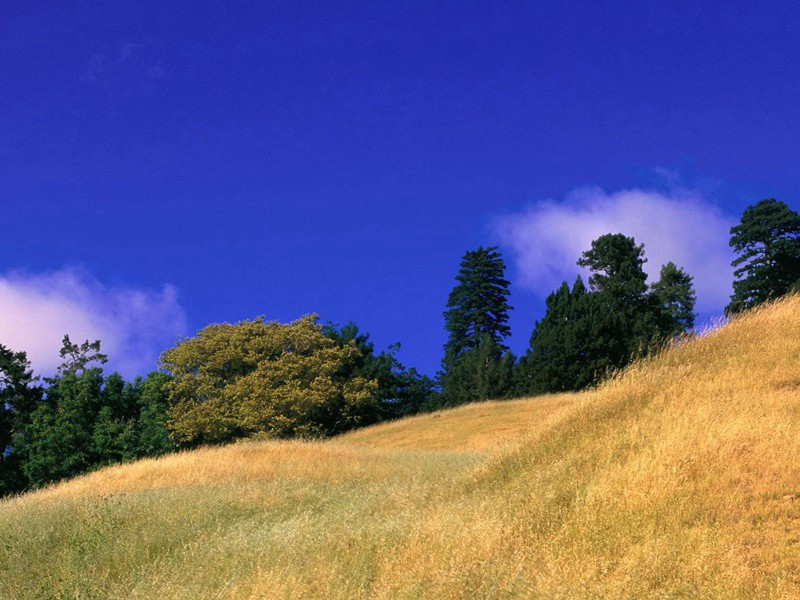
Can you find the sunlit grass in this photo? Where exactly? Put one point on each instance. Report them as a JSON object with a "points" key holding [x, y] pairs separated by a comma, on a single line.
{"points": [[680, 478]]}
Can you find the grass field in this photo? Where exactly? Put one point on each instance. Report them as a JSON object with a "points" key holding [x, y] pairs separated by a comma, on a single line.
{"points": [[679, 478]]}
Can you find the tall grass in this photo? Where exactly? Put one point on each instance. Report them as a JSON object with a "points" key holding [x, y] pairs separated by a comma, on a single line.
{"points": [[678, 478]]}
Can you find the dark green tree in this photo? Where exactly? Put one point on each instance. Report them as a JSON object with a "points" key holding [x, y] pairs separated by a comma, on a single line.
{"points": [[676, 296], [484, 372], [401, 391], [767, 242], [587, 333], [153, 437], [78, 356], [476, 321], [573, 345], [618, 277], [19, 396], [478, 305], [617, 265], [60, 440]]}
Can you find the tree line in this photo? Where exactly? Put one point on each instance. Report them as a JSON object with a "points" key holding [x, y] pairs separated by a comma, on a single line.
{"points": [[268, 379]]}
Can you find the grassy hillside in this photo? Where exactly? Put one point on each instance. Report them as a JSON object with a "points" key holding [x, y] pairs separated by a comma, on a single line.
{"points": [[679, 478]]}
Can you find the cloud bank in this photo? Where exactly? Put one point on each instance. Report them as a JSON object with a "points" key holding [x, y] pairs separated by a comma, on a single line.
{"points": [[134, 325], [679, 226]]}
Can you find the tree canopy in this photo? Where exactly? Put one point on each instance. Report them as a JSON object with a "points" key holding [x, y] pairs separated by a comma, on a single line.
{"points": [[767, 242], [267, 378], [476, 321]]}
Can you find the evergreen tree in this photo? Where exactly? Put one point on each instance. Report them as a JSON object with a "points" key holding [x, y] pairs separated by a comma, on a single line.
{"points": [[573, 345], [618, 277], [675, 294], [60, 440], [478, 305], [19, 396], [477, 324], [61, 443], [617, 265], [401, 391], [153, 437], [767, 241], [484, 372], [586, 334]]}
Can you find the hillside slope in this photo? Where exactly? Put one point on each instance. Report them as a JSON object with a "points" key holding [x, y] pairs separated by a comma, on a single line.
{"points": [[679, 478]]}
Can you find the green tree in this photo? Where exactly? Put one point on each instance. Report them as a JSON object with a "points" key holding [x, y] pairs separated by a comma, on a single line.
{"points": [[587, 333], [483, 372], [573, 345], [478, 305], [60, 442], [78, 356], [19, 396], [617, 265], [401, 391], [476, 321], [767, 241], [676, 296], [618, 277], [153, 436], [272, 379]]}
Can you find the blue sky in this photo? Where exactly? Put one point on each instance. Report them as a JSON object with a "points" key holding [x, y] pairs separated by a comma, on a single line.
{"points": [[168, 165]]}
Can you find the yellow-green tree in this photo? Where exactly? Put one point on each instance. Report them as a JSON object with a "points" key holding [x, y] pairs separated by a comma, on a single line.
{"points": [[267, 378]]}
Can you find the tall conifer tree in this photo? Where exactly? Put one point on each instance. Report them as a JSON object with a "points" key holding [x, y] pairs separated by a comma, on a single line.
{"points": [[477, 323], [675, 294], [478, 305]]}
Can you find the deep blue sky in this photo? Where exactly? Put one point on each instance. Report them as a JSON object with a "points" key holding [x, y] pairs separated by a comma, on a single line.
{"points": [[281, 158]]}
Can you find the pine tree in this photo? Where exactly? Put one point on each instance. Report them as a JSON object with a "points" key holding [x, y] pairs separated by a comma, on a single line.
{"points": [[60, 439], [585, 334], [19, 396], [618, 277], [617, 265], [478, 305], [573, 345], [476, 360], [482, 373], [767, 241], [675, 294]]}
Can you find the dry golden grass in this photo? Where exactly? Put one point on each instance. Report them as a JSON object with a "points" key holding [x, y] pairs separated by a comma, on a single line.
{"points": [[679, 478], [478, 427]]}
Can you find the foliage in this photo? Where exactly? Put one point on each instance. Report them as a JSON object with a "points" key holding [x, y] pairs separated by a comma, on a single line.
{"points": [[61, 441], [586, 334], [400, 391], [481, 373], [478, 305], [267, 378], [572, 346], [19, 394], [86, 420], [676, 297], [78, 356], [476, 361], [617, 265], [767, 241]]}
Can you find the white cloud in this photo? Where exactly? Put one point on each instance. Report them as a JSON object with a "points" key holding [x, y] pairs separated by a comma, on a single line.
{"points": [[134, 325], [681, 226]]}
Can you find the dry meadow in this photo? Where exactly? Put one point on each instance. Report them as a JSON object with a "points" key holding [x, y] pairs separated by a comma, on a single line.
{"points": [[678, 478]]}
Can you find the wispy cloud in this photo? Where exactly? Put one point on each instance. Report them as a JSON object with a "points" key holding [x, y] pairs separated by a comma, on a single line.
{"points": [[134, 325], [681, 225]]}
